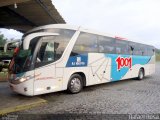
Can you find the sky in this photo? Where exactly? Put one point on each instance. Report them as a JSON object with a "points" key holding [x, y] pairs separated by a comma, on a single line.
{"points": [[136, 20]]}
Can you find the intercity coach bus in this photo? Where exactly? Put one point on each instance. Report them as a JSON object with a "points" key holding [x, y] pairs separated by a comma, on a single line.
{"points": [[61, 57]]}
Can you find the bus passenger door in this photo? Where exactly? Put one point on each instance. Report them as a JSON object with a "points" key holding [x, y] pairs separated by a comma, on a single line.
{"points": [[45, 75]]}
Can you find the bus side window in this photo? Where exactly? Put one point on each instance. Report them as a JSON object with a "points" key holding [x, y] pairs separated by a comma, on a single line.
{"points": [[86, 43], [137, 48], [144, 50], [106, 45], [45, 54], [131, 49], [150, 51], [122, 47]]}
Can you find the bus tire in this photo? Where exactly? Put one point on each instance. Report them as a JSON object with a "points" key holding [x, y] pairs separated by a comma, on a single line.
{"points": [[141, 74], [75, 84]]}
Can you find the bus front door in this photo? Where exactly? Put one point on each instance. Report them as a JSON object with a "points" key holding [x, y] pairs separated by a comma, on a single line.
{"points": [[45, 71]]}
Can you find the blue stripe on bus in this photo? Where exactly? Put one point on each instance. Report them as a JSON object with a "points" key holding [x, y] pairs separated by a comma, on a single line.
{"points": [[81, 60], [117, 75]]}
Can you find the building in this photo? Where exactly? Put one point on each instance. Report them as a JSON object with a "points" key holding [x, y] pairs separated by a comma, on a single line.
{"points": [[23, 15]]}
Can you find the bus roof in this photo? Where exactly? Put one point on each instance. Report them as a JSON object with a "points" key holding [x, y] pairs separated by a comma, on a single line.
{"points": [[71, 27], [65, 26]]}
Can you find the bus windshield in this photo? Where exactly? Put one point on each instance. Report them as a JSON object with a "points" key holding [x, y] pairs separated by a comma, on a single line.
{"points": [[22, 58], [22, 61], [42, 51]]}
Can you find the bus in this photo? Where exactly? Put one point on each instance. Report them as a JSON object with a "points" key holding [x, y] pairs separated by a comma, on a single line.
{"points": [[60, 57], [7, 51], [11, 45]]}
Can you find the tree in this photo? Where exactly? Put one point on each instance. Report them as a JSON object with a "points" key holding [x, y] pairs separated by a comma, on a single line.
{"points": [[158, 51], [2, 40]]}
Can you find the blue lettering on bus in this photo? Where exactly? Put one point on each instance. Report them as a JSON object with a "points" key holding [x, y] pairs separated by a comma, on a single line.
{"points": [[78, 61]]}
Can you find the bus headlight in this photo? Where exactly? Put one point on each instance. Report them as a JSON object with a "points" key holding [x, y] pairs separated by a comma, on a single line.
{"points": [[19, 80], [22, 79]]}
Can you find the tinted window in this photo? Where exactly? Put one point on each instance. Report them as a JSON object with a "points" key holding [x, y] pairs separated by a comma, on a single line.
{"points": [[140, 49], [52, 47], [136, 47], [106, 45], [86, 43], [46, 52], [122, 47], [144, 50], [130, 47], [150, 50]]}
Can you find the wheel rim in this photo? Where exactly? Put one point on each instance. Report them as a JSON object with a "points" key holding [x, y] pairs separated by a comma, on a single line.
{"points": [[75, 84]]}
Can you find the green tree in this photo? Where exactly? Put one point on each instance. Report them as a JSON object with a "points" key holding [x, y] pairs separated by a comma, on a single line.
{"points": [[157, 54], [158, 51], [2, 40]]}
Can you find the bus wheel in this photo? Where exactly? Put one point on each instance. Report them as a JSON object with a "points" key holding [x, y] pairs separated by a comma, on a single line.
{"points": [[141, 74], [75, 84]]}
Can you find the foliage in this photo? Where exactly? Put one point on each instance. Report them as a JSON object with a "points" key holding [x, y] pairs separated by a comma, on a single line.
{"points": [[157, 54], [158, 51], [157, 57]]}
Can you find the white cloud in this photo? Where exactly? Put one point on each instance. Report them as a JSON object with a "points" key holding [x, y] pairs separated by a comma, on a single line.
{"points": [[11, 34], [138, 20]]}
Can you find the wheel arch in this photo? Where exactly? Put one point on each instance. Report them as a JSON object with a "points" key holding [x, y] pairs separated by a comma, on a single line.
{"points": [[82, 74]]}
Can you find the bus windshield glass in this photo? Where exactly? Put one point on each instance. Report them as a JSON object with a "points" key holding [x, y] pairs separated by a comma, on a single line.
{"points": [[50, 49], [22, 58]]}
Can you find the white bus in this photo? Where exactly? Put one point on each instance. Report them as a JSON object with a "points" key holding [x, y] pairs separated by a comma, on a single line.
{"points": [[62, 57], [8, 48], [11, 45]]}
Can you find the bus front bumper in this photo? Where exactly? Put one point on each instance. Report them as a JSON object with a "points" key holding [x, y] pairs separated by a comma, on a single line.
{"points": [[22, 88]]}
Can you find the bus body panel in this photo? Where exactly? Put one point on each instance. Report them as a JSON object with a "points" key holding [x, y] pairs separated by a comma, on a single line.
{"points": [[73, 70], [48, 79], [152, 66], [53, 78], [24, 88], [100, 68]]}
